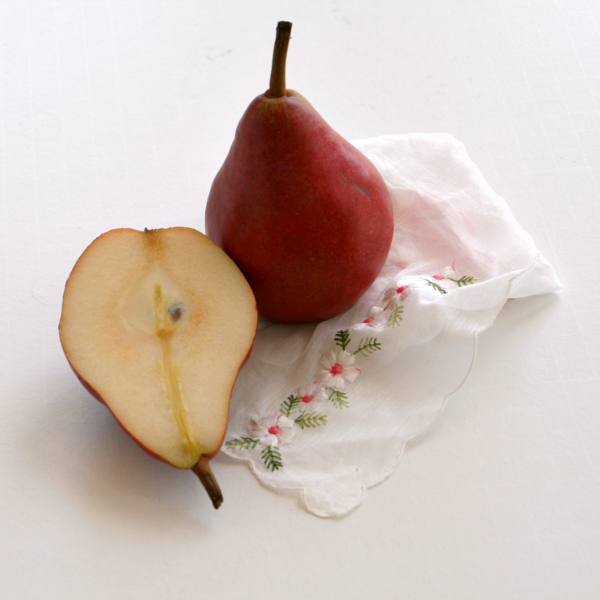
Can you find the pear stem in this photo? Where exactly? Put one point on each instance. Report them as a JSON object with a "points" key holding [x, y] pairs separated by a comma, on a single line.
{"points": [[202, 469], [277, 87]]}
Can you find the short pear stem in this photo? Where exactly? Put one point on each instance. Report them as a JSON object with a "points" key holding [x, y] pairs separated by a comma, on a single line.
{"points": [[202, 469], [277, 87]]}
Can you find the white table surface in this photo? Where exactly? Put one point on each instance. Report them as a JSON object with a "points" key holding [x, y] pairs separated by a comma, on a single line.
{"points": [[119, 113]]}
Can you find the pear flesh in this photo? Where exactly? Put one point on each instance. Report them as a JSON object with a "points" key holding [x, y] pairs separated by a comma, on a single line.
{"points": [[157, 324], [304, 214]]}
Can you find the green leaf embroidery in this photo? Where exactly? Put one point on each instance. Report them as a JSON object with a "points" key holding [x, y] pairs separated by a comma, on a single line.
{"points": [[243, 443], [311, 419], [339, 399], [436, 286], [272, 458], [396, 316], [464, 280], [367, 346], [342, 338], [290, 405]]}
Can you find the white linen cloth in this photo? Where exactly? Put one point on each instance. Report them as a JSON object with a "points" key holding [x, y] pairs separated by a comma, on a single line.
{"points": [[327, 409]]}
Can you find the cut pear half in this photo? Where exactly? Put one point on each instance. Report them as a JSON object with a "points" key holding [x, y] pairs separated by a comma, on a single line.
{"points": [[157, 325]]}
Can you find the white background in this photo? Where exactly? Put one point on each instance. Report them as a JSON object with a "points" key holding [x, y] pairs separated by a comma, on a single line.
{"points": [[119, 113]]}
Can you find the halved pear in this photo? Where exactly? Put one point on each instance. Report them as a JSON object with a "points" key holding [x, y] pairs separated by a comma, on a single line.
{"points": [[157, 324]]}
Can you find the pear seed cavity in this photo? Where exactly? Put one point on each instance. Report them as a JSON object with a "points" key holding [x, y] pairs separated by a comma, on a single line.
{"points": [[175, 311]]}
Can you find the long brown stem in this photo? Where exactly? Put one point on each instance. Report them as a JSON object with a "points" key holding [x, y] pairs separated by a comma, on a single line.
{"points": [[277, 86], [202, 469]]}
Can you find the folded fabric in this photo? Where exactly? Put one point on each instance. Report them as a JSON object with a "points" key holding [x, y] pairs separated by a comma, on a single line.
{"points": [[327, 409]]}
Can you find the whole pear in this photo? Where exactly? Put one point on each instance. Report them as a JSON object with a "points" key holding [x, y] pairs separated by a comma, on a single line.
{"points": [[306, 217]]}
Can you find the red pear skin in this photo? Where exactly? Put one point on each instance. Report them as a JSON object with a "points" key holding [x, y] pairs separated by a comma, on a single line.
{"points": [[306, 217]]}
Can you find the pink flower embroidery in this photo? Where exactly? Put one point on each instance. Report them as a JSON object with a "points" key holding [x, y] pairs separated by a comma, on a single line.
{"points": [[337, 369], [449, 273], [273, 431], [311, 395], [393, 297], [373, 321]]}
